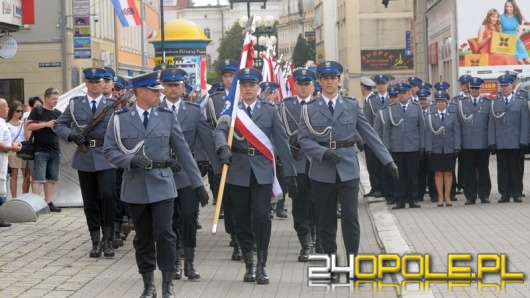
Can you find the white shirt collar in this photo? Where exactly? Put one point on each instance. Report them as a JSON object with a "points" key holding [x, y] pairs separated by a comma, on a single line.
{"points": [[97, 99], [333, 100], [141, 111], [307, 99]]}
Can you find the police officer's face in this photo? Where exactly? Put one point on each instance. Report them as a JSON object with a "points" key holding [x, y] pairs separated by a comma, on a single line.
{"points": [[441, 104], [148, 98], [475, 91], [330, 85], [381, 87], [414, 89], [173, 92], [107, 86], [506, 90], [403, 96], [424, 102], [94, 88], [463, 87], [227, 79], [249, 91], [304, 88], [117, 91]]}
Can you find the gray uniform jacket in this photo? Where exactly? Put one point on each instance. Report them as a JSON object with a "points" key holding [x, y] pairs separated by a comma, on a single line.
{"points": [[522, 93], [409, 136], [193, 126], [218, 99], [93, 159], [510, 130], [372, 106], [449, 138], [293, 116], [474, 123], [347, 121], [266, 117], [163, 135]]}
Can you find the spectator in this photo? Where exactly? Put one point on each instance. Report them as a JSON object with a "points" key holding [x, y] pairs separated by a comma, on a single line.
{"points": [[33, 102], [47, 151], [16, 127], [6, 145]]}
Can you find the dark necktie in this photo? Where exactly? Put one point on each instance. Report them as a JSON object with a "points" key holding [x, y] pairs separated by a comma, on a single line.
{"points": [[174, 109], [404, 108], [506, 100], [249, 111], [382, 100], [303, 102], [443, 116], [146, 119], [93, 107], [331, 109], [474, 102], [424, 113]]}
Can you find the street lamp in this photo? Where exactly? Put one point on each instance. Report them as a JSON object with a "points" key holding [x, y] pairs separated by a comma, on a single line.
{"points": [[262, 38]]}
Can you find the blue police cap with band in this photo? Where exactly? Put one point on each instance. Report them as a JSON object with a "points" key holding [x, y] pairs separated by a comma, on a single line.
{"points": [[463, 79], [442, 86], [173, 76], [109, 73], [249, 74], [219, 86], [163, 66], [414, 81], [303, 74], [423, 93], [476, 82], [94, 73], [119, 82], [367, 82], [271, 85], [149, 80], [392, 91], [505, 80], [317, 87], [512, 74], [329, 68], [403, 87], [425, 86], [440, 94], [381, 79], [229, 65]]}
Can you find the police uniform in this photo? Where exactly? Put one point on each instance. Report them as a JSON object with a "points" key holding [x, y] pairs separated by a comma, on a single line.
{"points": [[186, 207], [474, 115], [250, 177], [374, 103], [328, 128], [508, 129], [414, 82], [424, 175], [464, 88], [290, 110], [96, 175], [141, 143], [404, 134]]}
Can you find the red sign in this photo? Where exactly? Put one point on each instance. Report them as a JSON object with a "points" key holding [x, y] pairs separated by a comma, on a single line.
{"points": [[386, 60]]}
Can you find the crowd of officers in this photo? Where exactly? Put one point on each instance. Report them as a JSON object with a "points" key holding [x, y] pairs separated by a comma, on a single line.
{"points": [[425, 139]]}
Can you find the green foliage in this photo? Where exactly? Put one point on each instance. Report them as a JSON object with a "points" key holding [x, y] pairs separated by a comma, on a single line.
{"points": [[304, 50], [229, 48]]}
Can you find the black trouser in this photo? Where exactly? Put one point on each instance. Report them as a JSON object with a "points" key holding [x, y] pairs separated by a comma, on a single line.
{"points": [[461, 172], [214, 187], [433, 193], [476, 170], [98, 190], [155, 241], [326, 197], [121, 206], [509, 172], [251, 213], [228, 208], [185, 212], [406, 188], [301, 204], [423, 169], [375, 169]]}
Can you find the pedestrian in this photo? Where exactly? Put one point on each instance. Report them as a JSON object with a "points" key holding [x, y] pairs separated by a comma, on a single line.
{"points": [[328, 129], [33, 102], [140, 139], [96, 176], [250, 176], [508, 128], [47, 159], [17, 164]]}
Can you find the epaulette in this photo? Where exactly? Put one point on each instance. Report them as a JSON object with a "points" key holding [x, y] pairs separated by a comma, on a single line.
{"points": [[122, 110], [350, 98], [78, 97], [311, 101], [392, 104], [268, 103], [164, 109], [192, 104], [288, 98]]}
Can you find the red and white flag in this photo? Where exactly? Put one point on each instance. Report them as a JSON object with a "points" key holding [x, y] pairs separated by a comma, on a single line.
{"points": [[127, 12]]}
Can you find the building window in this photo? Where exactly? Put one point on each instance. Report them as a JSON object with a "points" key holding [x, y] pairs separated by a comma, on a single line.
{"points": [[12, 89], [207, 32]]}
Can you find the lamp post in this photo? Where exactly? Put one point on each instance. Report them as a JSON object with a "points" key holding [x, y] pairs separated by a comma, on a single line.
{"points": [[262, 38]]}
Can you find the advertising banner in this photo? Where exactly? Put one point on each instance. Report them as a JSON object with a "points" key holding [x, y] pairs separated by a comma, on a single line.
{"points": [[491, 40], [386, 60]]}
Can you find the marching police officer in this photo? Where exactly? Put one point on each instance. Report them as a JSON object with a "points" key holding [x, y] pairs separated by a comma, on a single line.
{"points": [[290, 110], [250, 177], [414, 83], [508, 129], [96, 175], [474, 112], [464, 88], [404, 134], [186, 206], [140, 139], [328, 129]]}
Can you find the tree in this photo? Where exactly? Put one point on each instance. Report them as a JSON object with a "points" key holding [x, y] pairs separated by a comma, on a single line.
{"points": [[229, 48], [304, 50]]}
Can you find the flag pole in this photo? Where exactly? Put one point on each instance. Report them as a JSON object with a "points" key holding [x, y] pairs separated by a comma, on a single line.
{"points": [[242, 63]]}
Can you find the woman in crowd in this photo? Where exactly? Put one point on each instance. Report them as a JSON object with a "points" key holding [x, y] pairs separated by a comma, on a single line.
{"points": [[16, 127]]}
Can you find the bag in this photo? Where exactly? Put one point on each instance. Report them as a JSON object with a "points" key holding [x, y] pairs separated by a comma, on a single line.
{"points": [[502, 43], [28, 150]]}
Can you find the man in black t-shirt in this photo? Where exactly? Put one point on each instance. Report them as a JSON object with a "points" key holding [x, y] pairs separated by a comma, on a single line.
{"points": [[47, 151]]}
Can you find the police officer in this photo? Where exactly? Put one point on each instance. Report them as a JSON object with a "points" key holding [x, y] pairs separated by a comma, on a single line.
{"points": [[414, 83], [464, 92], [108, 82], [317, 89], [424, 94], [464, 88], [250, 176], [290, 110], [96, 175], [474, 112], [404, 134], [508, 129], [140, 139], [186, 206], [119, 87], [328, 128], [373, 104]]}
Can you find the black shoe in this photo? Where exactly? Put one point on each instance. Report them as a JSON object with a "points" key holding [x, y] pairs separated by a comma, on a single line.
{"points": [[377, 194], [458, 190], [517, 199], [250, 274], [504, 199], [262, 277], [236, 253], [149, 285], [96, 245], [414, 205], [469, 202], [485, 201], [178, 269], [370, 193], [523, 195], [167, 285], [53, 208], [434, 199], [189, 266], [390, 201], [4, 224], [454, 199], [199, 226], [399, 206]]}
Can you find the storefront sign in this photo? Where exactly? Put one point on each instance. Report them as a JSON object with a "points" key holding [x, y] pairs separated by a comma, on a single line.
{"points": [[386, 60]]}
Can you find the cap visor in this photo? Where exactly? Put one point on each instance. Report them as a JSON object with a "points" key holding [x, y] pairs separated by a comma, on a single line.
{"points": [[156, 87]]}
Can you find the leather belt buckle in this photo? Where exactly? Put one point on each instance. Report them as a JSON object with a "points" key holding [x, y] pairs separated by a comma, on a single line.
{"points": [[92, 143], [150, 166], [251, 151], [333, 145]]}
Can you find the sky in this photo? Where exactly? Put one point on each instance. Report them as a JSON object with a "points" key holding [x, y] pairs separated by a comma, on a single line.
{"points": [[206, 2]]}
